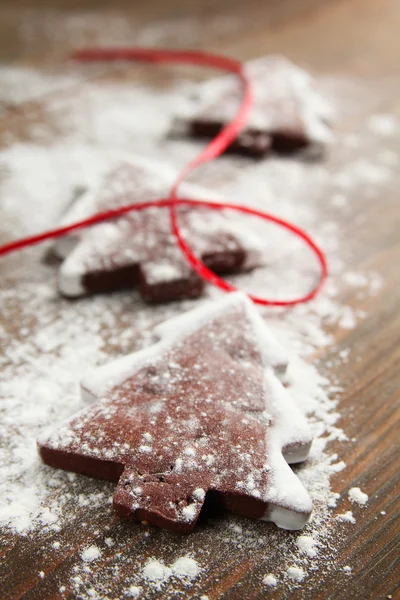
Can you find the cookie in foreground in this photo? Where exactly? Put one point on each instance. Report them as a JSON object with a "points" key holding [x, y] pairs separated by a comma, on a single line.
{"points": [[200, 413]]}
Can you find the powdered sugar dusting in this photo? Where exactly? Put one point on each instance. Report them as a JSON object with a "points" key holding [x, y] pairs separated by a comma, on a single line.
{"points": [[48, 344]]}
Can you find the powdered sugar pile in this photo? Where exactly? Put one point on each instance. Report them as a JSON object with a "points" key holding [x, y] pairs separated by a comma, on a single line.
{"points": [[90, 554], [270, 580], [157, 573], [346, 517], [356, 495], [48, 344]]}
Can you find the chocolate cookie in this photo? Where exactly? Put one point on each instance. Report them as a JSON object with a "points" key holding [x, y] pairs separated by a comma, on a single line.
{"points": [[139, 249], [288, 115], [200, 413]]}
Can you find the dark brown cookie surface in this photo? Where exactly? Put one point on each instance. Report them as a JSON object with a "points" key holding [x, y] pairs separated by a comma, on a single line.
{"points": [[199, 413], [139, 249], [288, 114]]}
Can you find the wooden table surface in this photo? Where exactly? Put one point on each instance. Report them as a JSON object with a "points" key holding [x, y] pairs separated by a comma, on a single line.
{"points": [[358, 39]]}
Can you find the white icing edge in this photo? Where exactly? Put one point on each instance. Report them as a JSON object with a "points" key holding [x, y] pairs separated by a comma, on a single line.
{"points": [[274, 353], [289, 502], [285, 518], [293, 425], [81, 208], [70, 279], [65, 245]]}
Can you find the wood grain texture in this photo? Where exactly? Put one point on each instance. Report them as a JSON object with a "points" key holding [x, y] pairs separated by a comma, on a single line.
{"points": [[358, 38]]}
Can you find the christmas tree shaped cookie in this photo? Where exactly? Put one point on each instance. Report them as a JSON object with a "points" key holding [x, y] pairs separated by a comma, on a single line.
{"points": [[199, 414], [288, 114], [139, 249]]}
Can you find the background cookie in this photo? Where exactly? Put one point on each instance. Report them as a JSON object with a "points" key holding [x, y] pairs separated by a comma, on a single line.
{"points": [[140, 249], [288, 114]]}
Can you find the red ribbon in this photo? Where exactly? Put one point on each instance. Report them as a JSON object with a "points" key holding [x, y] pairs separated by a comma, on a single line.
{"points": [[214, 149]]}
